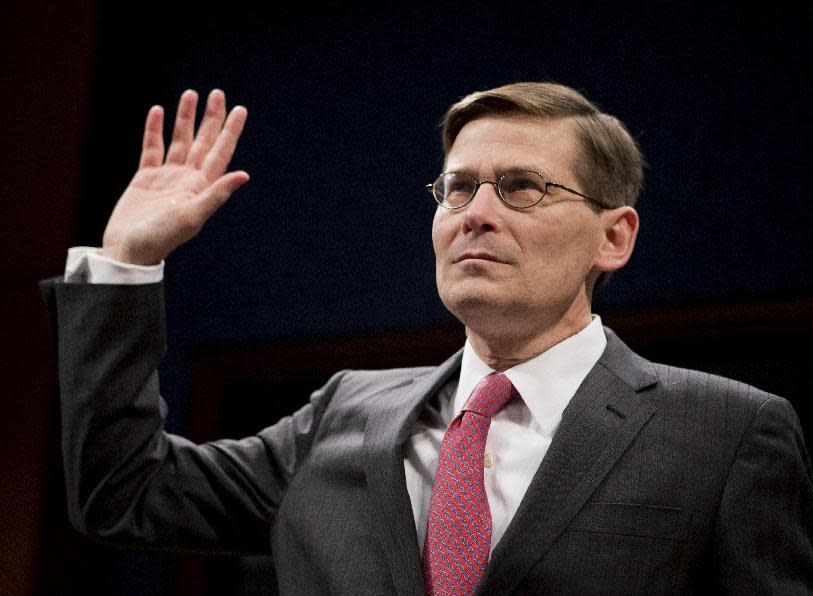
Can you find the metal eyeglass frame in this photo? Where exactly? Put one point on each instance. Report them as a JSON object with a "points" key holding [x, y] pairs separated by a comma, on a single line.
{"points": [[496, 184]]}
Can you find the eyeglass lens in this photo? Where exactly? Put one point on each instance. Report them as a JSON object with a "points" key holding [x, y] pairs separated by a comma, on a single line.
{"points": [[518, 188]]}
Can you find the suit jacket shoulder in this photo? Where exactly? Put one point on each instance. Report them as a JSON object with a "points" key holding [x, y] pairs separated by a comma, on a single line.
{"points": [[662, 480]]}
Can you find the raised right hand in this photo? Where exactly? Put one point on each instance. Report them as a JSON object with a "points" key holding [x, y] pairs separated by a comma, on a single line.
{"points": [[169, 199]]}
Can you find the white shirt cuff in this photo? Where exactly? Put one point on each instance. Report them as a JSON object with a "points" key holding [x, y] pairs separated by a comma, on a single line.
{"points": [[86, 265]]}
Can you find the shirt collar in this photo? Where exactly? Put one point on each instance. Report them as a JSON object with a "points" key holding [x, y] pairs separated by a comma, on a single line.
{"points": [[546, 382]]}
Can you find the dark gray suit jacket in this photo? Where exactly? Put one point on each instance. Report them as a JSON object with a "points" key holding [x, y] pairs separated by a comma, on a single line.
{"points": [[658, 481]]}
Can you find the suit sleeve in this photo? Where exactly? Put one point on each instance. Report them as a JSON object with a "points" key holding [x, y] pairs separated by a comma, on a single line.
{"points": [[764, 530], [127, 480]]}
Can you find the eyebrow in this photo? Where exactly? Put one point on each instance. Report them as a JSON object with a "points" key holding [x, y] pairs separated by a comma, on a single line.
{"points": [[502, 170], [537, 168]]}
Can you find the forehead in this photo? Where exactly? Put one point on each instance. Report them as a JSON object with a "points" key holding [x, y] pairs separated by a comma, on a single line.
{"points": [[492, 144]]}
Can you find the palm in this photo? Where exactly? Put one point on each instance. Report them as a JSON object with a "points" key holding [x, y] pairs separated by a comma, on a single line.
{"points": [[170, 198], [167, 179]]}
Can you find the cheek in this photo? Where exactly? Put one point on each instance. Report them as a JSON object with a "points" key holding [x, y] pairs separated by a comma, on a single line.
{"points": [[560, 246], [441, 234]]}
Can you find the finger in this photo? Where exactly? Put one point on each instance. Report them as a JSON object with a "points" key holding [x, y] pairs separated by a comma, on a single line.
{"points": [[184, 128], [219, 157], [209, 128], [219, 192], [152, 146]]}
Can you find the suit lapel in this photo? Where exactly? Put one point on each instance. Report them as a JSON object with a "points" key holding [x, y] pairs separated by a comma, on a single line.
{"points": [[599, 423], [386, 431]]}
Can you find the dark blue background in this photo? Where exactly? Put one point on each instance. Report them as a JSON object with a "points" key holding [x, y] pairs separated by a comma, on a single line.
{"points": [[350, 98]]}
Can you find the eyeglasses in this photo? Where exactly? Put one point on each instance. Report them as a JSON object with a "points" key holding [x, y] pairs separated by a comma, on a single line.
{"points": [[519, 189]]}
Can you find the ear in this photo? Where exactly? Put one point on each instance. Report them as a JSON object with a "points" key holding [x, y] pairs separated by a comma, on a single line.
{"points": [[620, 230]]}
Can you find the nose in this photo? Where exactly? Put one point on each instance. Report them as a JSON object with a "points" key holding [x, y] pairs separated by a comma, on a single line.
{"points": [[482, 214]]}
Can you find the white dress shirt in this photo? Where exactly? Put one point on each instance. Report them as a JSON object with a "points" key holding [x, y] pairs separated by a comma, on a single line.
{"points": [[520, 434], [518, 438], [85, 264]]}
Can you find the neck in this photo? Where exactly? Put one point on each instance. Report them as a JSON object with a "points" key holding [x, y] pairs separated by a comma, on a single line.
{"points": [[503, 348]]}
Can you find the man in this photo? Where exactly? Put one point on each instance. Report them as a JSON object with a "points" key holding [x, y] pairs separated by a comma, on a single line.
{"points": [[580, 469]]}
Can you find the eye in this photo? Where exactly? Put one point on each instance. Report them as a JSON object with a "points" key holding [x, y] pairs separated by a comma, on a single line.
{"points": [[522, 188], [514, 182], [455, 183]]}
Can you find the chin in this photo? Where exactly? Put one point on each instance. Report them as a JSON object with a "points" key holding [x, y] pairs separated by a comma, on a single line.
{"points": [[472, 300]]}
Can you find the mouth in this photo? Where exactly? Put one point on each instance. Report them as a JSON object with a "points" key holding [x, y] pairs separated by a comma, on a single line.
{"points": [[477, 255]]}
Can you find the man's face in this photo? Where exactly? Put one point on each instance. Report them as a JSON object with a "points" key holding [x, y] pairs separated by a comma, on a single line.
{"points": [[498, 266]]}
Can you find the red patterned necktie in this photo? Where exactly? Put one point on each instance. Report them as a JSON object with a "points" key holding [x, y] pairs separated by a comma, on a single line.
{"points": [[458, 528]]}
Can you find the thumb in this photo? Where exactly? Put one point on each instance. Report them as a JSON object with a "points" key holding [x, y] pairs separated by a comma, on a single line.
{"points": [[219, 192]]}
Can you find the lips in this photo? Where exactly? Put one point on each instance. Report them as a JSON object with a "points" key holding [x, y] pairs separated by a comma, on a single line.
{"points": [[479, 255]]}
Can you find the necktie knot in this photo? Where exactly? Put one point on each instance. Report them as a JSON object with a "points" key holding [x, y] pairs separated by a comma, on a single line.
{"points": [[491, 395]]}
